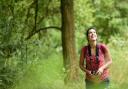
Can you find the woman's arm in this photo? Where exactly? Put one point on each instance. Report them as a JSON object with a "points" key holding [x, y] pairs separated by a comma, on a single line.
{"points": [[108, 60], [81, 63]]}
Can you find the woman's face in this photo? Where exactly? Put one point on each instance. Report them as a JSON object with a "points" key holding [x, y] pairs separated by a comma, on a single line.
{"points": [[92, 36]]}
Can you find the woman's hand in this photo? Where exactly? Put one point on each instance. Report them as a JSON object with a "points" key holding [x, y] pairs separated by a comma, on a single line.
{"points": [[100, 71], [88, 72], [93, 77]]}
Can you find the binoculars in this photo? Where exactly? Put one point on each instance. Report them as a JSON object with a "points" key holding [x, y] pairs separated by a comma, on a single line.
{"points": [[93, 72]]}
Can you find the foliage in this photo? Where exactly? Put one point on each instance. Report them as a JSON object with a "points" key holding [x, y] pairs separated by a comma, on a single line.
{"points": [[30, 61], [118, 48], [109, 17], [43, 74], [17, 21]]}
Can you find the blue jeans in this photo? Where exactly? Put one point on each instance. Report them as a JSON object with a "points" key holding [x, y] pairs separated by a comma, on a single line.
{"points": [[103, 85]]}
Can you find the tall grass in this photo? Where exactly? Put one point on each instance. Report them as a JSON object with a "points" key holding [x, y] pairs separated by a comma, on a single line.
{"points": [[46, 74], [119, 66], [49, 74]]}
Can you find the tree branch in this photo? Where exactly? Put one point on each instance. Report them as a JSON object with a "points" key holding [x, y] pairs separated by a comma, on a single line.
{"points": [[41, 29], [36, 13]]}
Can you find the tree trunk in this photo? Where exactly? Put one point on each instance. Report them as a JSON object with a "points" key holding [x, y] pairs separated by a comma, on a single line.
{"points": [[68, 41]]}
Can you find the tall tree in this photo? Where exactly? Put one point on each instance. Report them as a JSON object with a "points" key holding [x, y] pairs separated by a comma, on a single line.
{"points": [[68, 40]]}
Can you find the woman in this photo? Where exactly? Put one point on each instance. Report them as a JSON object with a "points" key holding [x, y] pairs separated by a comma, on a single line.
{"points": [[95, 60]]}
